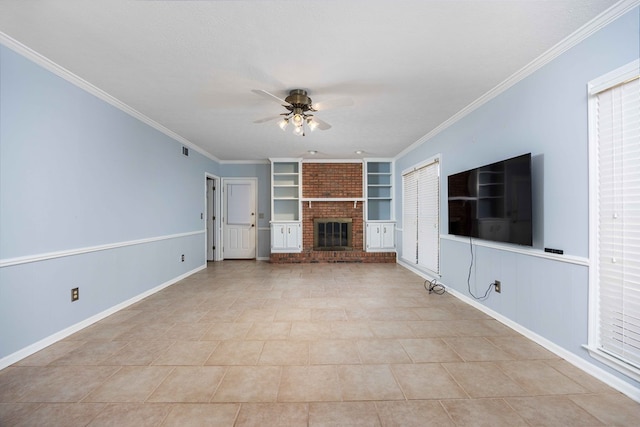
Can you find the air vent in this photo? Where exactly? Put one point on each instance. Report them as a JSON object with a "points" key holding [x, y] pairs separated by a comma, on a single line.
{"points": [[185, 151]]}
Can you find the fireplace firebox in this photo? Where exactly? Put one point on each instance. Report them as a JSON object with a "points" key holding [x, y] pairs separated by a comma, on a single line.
{"points": [[332, 234]]}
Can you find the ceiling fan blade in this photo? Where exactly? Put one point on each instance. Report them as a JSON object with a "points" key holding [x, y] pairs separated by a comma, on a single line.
{"points": [[322, 125], [272, 97], [333, 103], [268, 119]]}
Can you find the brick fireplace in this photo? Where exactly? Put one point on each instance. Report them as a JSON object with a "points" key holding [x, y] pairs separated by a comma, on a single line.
{"points": [[324, 183]]}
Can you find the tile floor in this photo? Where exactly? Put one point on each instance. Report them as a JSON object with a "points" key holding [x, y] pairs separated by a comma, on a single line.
{"points": [[246, 343]]}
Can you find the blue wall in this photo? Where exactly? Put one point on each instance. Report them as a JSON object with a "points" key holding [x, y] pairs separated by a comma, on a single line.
{"points": [[78, 174], [546, 115]]}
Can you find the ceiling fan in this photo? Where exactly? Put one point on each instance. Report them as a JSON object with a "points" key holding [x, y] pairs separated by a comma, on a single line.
{"points": [[299, 108]]}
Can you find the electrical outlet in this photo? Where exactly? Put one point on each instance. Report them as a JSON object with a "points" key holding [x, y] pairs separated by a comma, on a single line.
{"points": [[497, 285], [182, 258], [75, 294]]}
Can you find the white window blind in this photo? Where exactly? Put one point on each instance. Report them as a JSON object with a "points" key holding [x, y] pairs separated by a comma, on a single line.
{"points": [[421, 216], [618, 233], [428, 217], [410, 217]]}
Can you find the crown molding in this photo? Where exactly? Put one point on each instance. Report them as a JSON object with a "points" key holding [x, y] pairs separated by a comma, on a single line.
{"points": [[72, 78], [596, 24], [244, 162]]}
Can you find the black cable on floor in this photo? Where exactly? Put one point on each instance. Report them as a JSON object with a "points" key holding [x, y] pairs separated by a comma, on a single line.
{"points": [[434, 287]]}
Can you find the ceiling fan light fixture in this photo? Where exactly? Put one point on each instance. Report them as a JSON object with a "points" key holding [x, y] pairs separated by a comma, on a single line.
{"points": [[298, 130], [283, 123], [298, 119], [312, 123]]}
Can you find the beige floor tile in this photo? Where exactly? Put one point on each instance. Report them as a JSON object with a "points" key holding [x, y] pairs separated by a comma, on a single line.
{"points": [[536, 377], [309, 384], [187, 331], [483, 412], [587, 381], [291, 314], [350, 330], [427, 381], [16, 414], [189, 384], [196, 415], [90, 353], [221, 331], [101, 332], [186, 353], [368, 382], [273, 414], [285, 353], [51, 383], [221, 315], [132, 414], [236, 353], [50, 414], [333, 352], [551, 411], [50, 354], [432, 329], [610, 408], [483, 379], [156, 331], [257, 315], [310, 331], [436, 313], [429, 350], [138, 353], [391, 329], [269, 331], [343, 414], [130, 384], [476, 349], [249, 384], [382, 351], [413, 413], [253, 343], [520, 348], [328, 314]]}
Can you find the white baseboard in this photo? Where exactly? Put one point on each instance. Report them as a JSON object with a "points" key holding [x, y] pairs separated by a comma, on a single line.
{"points": [[591, 369], [51, 339]]}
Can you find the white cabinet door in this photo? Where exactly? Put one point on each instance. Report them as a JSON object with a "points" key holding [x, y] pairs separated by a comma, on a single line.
{"points": [[388, 236], [380, 237], [374, 236], [286, 237], [293, 236], [278, 236]]}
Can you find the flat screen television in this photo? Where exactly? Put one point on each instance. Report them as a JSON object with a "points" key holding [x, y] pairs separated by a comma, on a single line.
{"points": [[493, 202]]}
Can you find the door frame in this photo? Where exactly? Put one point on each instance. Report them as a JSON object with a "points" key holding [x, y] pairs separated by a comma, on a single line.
{"points": [[223, 207], [216, 229]]}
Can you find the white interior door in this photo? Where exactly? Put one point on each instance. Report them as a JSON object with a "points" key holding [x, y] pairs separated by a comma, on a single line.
{"points": [[210, 218], [239, 219]]}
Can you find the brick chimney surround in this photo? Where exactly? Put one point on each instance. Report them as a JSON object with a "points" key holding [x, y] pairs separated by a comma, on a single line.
{"points": [[332, 181]]}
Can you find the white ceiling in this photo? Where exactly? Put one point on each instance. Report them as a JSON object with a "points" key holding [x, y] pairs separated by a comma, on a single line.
{"points": [[191, 66]]}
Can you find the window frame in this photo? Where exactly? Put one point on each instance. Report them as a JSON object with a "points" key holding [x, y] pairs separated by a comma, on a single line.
{"points": [[603, 83], [435, 160]]}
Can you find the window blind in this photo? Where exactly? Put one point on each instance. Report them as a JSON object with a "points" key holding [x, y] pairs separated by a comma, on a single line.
{"points": [[428, 217], [618, 189], [410, 217], [421, 216]]}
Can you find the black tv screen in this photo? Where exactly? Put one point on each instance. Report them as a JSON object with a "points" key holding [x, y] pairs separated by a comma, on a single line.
{"points": [[493, 202]]}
